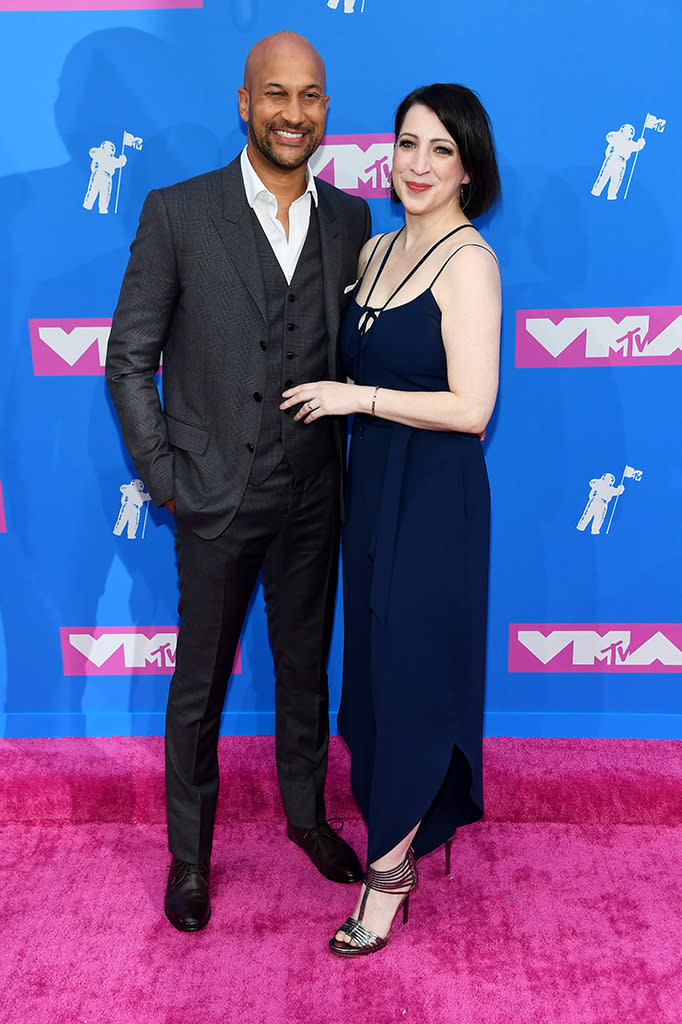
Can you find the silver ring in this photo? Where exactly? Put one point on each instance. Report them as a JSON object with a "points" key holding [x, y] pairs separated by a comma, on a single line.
{"points": [[311, 407]]}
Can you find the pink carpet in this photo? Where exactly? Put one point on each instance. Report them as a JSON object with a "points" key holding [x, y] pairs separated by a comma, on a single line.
{"points": [[563, 907]]}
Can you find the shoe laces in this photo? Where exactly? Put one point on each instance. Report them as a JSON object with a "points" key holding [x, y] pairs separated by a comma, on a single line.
{"points": [[329, 828], [184, 869]]}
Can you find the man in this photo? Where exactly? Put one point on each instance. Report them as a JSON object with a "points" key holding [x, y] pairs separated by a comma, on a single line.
{"points": [[239, 277]]}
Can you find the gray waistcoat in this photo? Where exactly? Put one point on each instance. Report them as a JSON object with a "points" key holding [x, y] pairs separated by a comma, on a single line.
{"points": [[297, 352]]}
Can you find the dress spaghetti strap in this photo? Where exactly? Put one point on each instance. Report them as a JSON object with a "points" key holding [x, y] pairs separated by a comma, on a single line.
{"points": [[372, 312], [478, 246], [383, 262]]}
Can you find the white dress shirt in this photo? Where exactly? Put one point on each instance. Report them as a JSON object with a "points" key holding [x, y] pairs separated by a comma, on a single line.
{"points": [[264, 205]]}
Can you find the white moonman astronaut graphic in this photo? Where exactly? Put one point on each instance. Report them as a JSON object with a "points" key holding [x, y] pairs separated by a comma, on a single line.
{"points": [[601, 491], [621, 145], [102, 166], [133, 497], [348, 5]]}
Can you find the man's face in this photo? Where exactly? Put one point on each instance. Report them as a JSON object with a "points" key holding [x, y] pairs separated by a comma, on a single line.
{"points": [[284, 105]]}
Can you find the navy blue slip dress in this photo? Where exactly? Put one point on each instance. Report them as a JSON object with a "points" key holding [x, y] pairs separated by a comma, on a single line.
{"points": [[415, 583]]}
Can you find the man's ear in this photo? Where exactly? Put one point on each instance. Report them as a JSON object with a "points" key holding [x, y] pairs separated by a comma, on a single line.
{"points": [[244, 103]]}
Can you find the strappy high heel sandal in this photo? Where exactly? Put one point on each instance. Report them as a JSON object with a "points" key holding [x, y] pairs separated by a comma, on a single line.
{"points": [[400, 880]]}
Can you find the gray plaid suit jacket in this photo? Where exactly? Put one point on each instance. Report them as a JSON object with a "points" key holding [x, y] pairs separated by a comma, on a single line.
{"points": [[193, 290]]}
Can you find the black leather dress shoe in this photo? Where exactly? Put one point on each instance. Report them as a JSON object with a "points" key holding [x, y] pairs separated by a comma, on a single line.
{"points": [[187, 903], [330, 854]]}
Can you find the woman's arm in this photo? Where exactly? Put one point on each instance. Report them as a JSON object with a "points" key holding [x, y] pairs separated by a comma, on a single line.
{"points": [[468, 294]]}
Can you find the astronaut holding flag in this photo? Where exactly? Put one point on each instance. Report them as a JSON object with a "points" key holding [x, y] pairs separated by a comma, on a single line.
{"points": [[621, 145], [602, 490], [133, 498], [103, 165]]}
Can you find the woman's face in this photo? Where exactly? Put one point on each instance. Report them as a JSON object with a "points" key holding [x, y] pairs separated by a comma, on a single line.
{"points": [[427, 170]]}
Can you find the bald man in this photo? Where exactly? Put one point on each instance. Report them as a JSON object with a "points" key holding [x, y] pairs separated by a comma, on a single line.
{"points": [[240, 278]]}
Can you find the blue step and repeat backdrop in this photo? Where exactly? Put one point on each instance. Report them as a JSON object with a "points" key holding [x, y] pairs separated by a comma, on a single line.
{"points": [[103, 101]]}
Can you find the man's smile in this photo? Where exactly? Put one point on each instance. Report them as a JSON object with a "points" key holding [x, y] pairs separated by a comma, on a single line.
{"points": [[286, 134]]}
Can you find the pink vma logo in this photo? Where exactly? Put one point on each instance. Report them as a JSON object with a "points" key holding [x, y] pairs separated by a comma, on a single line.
{"points": [[122, 651], [595, 647], [3, 523], [358, 164], [68, 347], [632, 336]]}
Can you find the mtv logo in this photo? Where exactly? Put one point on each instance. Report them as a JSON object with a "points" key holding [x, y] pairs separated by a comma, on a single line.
{"points": [[358, 164], [636, 336], [119, 651], [69, 347], [122, 651], [595, 647]]}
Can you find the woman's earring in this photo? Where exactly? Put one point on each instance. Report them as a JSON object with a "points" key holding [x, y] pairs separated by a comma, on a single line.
{"points": [[464, 195]]}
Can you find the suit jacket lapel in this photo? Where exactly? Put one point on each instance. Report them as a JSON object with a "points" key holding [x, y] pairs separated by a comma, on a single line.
{"points": [[235, 227], [331, 270]]}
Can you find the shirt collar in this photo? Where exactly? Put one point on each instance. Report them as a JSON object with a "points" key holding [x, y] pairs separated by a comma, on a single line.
{"points": [[254, 186]]}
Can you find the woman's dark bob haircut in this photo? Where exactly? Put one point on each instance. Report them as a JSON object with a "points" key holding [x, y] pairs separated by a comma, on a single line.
{"points": [[464, 118]]}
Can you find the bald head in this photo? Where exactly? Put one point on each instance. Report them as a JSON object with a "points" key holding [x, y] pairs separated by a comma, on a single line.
{"points": [[283, 103], [279, 48]]}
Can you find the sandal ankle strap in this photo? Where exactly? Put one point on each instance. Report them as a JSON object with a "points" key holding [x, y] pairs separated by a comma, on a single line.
{"points": [[394, 879], [399, 880]]}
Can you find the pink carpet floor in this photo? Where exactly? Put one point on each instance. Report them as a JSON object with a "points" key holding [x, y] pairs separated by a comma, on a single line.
{"points": [[563, 907]]}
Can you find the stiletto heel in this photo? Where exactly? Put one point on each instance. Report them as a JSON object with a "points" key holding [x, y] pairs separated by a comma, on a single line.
{"points": [[400, 880], [448, 847]]}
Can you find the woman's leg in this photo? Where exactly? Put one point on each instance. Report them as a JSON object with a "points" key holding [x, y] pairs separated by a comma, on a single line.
{"points": [[381, 907]]}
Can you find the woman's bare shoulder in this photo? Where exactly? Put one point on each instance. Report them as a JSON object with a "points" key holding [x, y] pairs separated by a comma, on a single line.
{"points": [[372, 244], [470, 254], [470, 274], [470, 241]]}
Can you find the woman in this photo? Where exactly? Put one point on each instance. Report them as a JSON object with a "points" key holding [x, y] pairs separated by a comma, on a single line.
{"points": [[421, 343]]}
